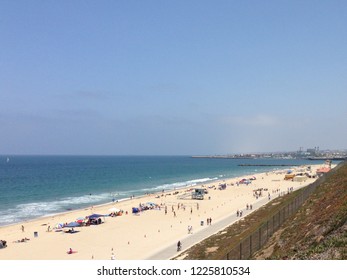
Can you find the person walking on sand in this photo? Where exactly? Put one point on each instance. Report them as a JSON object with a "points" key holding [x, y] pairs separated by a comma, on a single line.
{"points": [[22, 228], [179, 246]]}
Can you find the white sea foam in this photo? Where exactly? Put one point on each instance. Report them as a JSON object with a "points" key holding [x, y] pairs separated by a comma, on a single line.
{"points": [[33, 210], [178, 185]]}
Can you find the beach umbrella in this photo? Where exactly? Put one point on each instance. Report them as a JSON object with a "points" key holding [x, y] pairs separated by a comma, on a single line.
{"points": [[59, 226], [114, 210], [73, 224], [151, 204], [95, 216]]}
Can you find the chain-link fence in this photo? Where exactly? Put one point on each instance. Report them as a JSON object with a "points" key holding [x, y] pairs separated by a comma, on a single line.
{"points": [[258, 238]]}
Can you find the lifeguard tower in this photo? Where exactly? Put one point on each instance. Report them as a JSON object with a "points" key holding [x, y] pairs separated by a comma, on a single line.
{"points": [[198, 194]]}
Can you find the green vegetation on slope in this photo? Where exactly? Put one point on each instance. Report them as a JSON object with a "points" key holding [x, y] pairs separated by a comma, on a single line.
{"points": [[317, 231]]}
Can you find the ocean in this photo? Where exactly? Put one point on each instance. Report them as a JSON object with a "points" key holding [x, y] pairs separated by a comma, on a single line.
{"points": [[35, 186]]}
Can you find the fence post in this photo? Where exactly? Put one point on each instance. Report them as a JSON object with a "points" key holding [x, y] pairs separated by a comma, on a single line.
{"points": [[250, 245]]}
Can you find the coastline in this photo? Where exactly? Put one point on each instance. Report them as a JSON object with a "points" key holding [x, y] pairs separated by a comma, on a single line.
{"points": [[137, 236]]}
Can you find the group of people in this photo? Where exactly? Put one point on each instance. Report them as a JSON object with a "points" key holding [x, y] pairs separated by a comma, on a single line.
{"points": [[239, 213], [115, 214], [258, 193], [21, 240]]}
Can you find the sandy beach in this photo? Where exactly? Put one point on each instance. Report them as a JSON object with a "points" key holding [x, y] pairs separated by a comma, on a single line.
{"points": [[136, 236]]}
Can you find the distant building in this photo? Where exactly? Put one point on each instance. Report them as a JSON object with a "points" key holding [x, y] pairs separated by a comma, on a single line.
{"points": [[313, 152]]}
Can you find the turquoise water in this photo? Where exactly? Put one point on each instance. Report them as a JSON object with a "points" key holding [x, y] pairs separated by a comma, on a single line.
{"points": [[34, 186]]}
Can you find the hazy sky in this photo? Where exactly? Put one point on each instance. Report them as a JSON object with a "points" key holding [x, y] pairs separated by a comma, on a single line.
{"points": [[172, 77]]}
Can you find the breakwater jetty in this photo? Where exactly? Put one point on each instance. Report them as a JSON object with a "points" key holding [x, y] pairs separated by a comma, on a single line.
{"points": [[268, 165]]}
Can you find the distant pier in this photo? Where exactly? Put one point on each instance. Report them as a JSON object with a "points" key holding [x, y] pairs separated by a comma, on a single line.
{"points": [[268, 165]]}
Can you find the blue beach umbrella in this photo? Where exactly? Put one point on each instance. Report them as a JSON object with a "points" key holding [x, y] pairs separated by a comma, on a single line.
{"points": [[73, 224], [95, 216]]}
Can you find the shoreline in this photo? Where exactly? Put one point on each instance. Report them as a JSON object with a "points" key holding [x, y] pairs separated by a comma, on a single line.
{"points": [[137, 236], [183, 187]]}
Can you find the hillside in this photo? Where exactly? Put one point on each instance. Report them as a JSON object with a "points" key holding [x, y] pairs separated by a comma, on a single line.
{"points": [[318, 230]]}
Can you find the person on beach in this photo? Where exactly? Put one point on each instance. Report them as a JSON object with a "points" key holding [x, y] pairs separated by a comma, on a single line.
{"points": [[179, 246], [113, 256], [22, 228]]}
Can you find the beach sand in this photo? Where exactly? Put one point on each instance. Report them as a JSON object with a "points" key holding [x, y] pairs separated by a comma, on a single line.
{"points": [[136, 237]]}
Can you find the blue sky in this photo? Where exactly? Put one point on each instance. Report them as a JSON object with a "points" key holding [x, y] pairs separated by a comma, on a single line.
{"points": [[172, 77]]}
